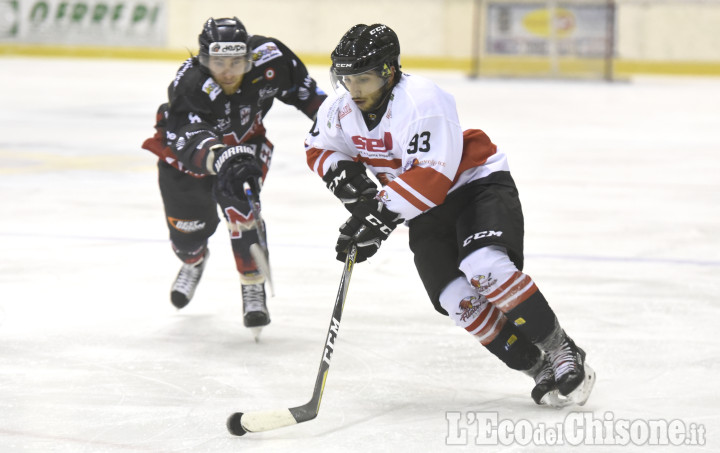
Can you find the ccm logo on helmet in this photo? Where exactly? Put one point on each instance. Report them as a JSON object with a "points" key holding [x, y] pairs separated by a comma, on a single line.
{"points": [[480, 235], [377, 29], [231, 49]]}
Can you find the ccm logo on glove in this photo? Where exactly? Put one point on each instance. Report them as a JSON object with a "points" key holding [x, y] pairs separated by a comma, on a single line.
{"points": [[336, 180], [374, 221]]}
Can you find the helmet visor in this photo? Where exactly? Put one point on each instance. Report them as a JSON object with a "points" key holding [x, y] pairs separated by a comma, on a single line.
{"points": [[367, 81]]}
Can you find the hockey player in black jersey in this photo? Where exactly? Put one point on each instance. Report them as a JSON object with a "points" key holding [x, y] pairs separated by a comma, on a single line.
{"points": [[211, 145]]}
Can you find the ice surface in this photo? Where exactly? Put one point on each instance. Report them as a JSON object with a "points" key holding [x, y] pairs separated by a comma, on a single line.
{"points": [[621, 193]]}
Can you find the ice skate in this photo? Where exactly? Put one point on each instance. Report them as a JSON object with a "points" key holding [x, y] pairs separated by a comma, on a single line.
{"points": [[545, 385], [545, 392], [186, 281], [582, 392], [575, 379], [255, 312]]}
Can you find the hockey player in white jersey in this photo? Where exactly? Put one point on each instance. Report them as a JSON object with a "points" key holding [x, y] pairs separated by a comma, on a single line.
{"points": [[454, 190]]}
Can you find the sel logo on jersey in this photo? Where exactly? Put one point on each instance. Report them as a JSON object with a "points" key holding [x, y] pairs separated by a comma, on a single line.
{"points": [[374, 145]]}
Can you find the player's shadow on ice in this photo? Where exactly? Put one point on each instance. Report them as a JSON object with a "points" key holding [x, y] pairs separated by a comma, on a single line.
{"points": [[219, 333]]}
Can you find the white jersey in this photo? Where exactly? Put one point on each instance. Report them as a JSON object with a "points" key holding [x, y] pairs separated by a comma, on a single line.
{"points": [[418, 151]]}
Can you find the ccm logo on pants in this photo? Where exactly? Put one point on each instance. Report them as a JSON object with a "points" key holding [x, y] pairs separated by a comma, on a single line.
{"points": [[480, 235]]}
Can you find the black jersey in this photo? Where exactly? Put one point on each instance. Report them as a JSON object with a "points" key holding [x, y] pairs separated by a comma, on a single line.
{"points": [[200, 115]]}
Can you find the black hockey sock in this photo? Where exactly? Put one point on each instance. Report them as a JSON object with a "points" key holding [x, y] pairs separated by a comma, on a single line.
{"points": [[190, 255], [514, 349], [534, 317]]}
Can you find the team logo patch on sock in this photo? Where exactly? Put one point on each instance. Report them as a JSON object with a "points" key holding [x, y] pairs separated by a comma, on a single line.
{"points": [[469, 306], [483, 282]]}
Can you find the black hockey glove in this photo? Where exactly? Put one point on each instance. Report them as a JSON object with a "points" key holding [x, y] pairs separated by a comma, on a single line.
{"points": [[236, 166], [348, 181], [370, 224]]}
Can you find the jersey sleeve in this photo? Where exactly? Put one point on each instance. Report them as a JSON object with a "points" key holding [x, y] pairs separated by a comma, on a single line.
{"points": [[190, 132], [431, 158], [302, 91], [325, 143]]}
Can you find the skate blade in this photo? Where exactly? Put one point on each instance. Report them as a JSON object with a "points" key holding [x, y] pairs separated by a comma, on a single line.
{"points": [[256, 331], [581, 394], [555, 399]]}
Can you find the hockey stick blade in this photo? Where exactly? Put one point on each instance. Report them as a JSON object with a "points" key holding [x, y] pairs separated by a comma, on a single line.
{"points": [[240, 423]]}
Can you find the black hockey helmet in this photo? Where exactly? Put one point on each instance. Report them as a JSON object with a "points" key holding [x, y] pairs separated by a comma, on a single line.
{"points": [[223, 37], [364, 48]]}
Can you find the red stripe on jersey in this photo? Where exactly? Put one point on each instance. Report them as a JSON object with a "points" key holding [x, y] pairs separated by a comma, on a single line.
{"points": [[156, 145], [313, 154], [410, 198], [477, 148], [387, 163], [429, 182]]}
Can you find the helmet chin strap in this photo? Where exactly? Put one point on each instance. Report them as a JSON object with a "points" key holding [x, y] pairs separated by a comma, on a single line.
{"points": [[387, 88], [373, 116]]}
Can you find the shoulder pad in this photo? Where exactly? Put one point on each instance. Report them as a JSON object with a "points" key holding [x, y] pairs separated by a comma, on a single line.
{"points": [[265, 52], [211, 88]]}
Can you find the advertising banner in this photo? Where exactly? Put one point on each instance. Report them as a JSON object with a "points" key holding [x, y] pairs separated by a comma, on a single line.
{"points": [[85, 22], [580, 30]]}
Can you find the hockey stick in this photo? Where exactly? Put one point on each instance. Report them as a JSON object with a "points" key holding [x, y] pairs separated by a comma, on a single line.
{"points": [[240, 423], [259, 252]]}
